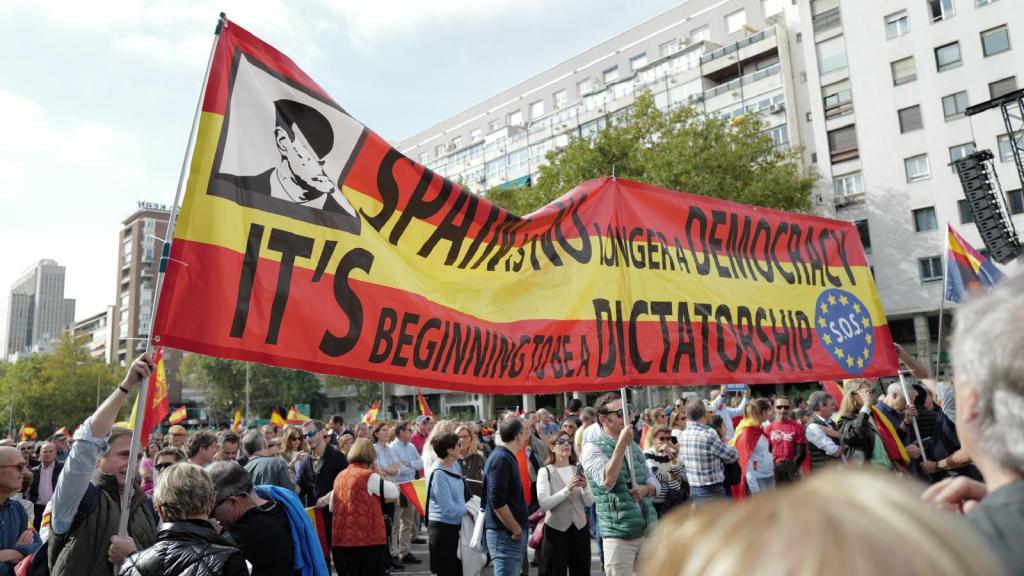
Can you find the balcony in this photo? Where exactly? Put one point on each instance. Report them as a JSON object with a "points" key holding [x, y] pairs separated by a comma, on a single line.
{"points": [[732, 92], [725, 59]]}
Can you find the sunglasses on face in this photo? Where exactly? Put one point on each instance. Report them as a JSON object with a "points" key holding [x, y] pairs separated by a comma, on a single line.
{"points": [[311, 434], [666, 438], [164, 465], [610, 412], [786, 407], [563, 441], [21, 466]]}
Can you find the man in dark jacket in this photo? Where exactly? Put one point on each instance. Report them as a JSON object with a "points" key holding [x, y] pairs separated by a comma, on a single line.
{"points": [[187, 544], [48, 470], [989, 394], [316, 472], [97, 468]]}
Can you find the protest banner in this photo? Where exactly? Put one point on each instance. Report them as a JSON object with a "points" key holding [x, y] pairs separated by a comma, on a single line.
{"points": [[307, 241]]}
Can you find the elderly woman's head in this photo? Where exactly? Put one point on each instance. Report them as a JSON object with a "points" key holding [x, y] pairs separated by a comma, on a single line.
{"points": [[185, 491]]}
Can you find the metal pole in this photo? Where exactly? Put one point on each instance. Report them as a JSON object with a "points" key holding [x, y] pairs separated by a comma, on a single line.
{"points": [[97, 390], [383, 402], [942, 302], [629, 452], [133, 455], [917, 431], [14, 391], [248, 367]]}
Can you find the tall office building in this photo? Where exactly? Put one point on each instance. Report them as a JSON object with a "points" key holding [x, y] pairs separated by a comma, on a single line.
{"points": [[140, 244], [35, 311], [874, 92], [889, 84]]}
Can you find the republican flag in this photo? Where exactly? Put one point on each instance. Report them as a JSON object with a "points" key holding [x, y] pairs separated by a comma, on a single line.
{"points": [[275, 418], [158, 404], [415, 491], [371, 415], [178, 415], [296, 417], [424, 407], [237, 424], [524, 473], [968, 273]]}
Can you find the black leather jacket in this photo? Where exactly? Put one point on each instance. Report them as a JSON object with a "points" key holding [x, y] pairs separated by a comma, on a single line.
{"points": [[189, 548]]}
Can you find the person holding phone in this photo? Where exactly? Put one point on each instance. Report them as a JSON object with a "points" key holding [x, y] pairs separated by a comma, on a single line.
{"points": [[563, 492]]}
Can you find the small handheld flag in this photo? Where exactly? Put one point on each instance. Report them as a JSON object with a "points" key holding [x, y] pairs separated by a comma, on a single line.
{"points": [[968, 273], [27, 432], [415, 491], [237, 424], [276, 420], [371, 415], [179, 415], [159, 405], [296, 417], [424, 407]]}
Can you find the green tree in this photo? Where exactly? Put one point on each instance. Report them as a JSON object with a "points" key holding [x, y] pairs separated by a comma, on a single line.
{"points": [[365, 392], [680, 150], [56, 389], [223, 384]]}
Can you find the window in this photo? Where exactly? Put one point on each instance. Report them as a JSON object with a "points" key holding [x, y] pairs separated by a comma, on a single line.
{"points": [[669, 48], [958, 152], [779, 135], [771, 7], [964, 207], [931, 268], [1000, 87], [735, 21], [560, 98], [494, 125], [842, 144], [457, 142], [1015, 201], [439, 150], [954, 105], [827, 20], [831, 55], [476, 135], [980, 3], [848, 184], [610, 74], [536, 109], [423, 157], [903, 71], [865, 235], [897, 25], [924, 219], [917, 168], [1005, 152], [838, 99], [515, 118], [947, 56], [940, 9], [910, 119], [995, 41], [700, 34], [638, 61]]}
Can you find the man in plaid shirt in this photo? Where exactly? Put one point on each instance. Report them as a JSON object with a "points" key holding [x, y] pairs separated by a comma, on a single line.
{"points": [[704, 454]]}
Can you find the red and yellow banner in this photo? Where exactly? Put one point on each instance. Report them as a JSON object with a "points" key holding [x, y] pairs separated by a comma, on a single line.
{"points": [[179, 415], [307, 241], [295, 417], [423, 406], [159, 405]]}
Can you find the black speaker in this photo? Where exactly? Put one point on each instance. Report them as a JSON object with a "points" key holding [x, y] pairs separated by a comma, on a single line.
{"points": [[992, 223]]}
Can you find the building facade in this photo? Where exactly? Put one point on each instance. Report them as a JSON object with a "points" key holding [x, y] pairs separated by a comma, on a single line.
{"points": [[35, 311], [889, 85], [94, 333]]}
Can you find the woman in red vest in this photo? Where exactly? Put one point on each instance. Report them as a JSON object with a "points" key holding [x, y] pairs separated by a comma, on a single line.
{"points": [[360, 542]]}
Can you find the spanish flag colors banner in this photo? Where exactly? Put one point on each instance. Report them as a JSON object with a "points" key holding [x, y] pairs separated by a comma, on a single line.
{"points": [[159, 405], [276, 420], [423, 406], [415, 491], [305, 240], [179, 415], [236, 425], [295, 417], [371, 415]]}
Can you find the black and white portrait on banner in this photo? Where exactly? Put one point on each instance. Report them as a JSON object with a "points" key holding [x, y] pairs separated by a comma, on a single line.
{"points": [[285, 150]]}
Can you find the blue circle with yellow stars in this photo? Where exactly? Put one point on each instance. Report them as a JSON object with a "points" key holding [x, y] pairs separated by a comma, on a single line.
{"points": [[845, 329]]}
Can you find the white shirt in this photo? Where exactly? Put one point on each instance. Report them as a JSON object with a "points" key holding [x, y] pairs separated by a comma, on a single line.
{"points": [[815, 433], [548, 501], [373, 488], [594, 461], [727, 413]]}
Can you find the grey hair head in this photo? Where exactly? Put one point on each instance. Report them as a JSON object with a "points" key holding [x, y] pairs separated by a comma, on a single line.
{"points": [[818, 399], [253, 442], [897, 389], [987, 344], [229, 479]]}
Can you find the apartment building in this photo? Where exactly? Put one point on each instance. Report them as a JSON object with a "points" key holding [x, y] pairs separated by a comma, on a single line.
{"points": [[35, 311]]}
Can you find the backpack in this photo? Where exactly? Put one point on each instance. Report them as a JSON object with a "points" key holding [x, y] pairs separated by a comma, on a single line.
{"points": [[39, 562]]}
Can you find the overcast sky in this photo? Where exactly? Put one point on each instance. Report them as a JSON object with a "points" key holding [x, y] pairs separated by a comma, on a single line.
{"points": [[98, 96]]}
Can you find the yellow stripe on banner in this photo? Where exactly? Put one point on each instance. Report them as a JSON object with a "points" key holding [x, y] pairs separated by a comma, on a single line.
{"points": [[556, 293]]}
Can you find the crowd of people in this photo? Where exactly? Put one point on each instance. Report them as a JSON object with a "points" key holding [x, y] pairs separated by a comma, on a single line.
{"points": [[732, 483]]}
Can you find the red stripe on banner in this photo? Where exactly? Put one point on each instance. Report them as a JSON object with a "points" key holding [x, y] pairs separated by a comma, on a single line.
{"points": [[410, 340]]}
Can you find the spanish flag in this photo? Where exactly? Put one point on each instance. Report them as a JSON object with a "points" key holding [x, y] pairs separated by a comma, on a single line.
{"points": [[415, 491], [237, 424], [424, 407], [371, 415], [27, 432], [159, 405], [296, 417], [178, 415], [275, 418], [745, 438]]}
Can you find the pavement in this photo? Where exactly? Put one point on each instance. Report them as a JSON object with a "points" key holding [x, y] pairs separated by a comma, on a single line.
{"points": [[420, 551]]}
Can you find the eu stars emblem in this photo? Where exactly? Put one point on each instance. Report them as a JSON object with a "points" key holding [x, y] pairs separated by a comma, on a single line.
{"points": [[845, 329]]}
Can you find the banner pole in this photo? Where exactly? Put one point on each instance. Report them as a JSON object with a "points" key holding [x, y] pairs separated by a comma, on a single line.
{"points": [[248, 366], [942, 302], [917, 431], [133, 455], [629, 452]]}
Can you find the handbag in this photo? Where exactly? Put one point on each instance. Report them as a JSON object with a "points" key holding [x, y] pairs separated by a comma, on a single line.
{"points": [[538, 533]]}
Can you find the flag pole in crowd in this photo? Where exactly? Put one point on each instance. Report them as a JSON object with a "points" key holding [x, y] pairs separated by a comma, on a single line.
{"points": [[913, 419], [133, 455], [942, 299], [629, 455]]}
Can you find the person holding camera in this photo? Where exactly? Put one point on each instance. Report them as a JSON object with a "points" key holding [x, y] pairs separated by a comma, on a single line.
{"points": [[564, 494], [663, 459]]}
